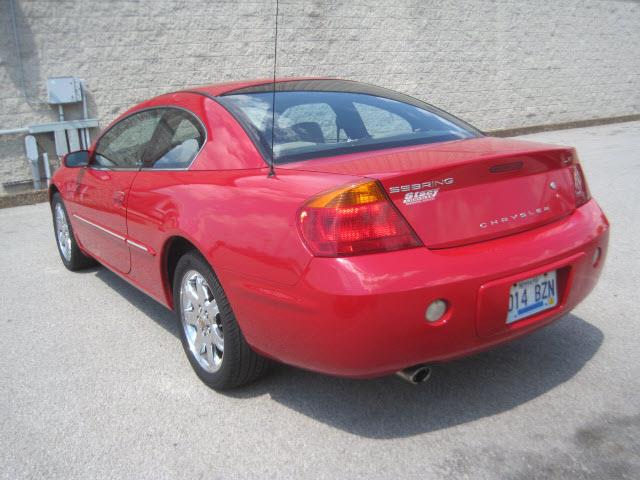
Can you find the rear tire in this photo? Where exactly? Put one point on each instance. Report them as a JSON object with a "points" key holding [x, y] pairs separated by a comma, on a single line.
{"points": [[210, 334], [70, 253]]}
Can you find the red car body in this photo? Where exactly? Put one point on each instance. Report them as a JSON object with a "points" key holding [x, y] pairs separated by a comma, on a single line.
{"points": [[496, 223]]}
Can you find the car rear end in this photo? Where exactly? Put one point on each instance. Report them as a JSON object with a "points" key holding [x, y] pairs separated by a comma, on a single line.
{"points": [[478, 246], [498, 246], [451, 242], [366, 315]]}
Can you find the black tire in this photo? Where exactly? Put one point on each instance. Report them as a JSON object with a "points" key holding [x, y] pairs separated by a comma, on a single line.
{"points": [[240, 364], [76, 260]]}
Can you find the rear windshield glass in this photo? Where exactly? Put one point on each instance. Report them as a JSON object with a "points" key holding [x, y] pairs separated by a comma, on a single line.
{"points": [[311, 124]]}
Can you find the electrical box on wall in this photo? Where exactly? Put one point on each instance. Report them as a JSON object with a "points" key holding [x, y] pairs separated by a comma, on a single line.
{"points": [[64, 90]]}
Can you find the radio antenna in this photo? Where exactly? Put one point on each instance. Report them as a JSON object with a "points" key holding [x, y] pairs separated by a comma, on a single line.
{"points": [[272, 171]]}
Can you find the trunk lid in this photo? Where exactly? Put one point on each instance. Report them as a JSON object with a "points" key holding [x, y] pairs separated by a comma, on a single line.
{"points": [[461, 192]]}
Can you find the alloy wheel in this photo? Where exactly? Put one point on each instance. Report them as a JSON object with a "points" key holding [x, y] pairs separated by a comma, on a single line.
{"points": [[201, 321], [63, 234]]}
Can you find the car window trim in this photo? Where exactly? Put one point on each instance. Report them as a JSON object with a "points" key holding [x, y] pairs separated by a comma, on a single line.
{"points": [[265, 150], [141, 168]]}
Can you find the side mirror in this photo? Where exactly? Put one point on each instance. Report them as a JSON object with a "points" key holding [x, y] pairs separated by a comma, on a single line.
{"points": [[77, 159]]}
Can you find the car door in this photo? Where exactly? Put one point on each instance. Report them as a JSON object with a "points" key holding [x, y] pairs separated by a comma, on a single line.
{"points": [[177, 140], [102, 188]]}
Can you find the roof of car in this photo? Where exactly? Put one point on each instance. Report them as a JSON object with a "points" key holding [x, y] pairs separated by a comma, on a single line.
{"points": [[219, 89], [318, 84]]}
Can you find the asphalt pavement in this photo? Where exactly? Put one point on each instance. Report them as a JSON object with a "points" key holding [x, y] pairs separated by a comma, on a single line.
{"points": [[94, 382]]}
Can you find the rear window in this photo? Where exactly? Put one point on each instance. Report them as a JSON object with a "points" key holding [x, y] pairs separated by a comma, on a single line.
{"points": [[311, 124]]}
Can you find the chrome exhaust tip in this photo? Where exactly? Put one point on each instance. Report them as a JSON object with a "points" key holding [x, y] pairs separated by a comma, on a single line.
{"points": [[415, 375]]}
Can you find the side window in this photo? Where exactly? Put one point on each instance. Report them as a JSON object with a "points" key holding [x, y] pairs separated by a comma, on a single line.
{"points": [[382, 123], [176, 141], [124, 144]]}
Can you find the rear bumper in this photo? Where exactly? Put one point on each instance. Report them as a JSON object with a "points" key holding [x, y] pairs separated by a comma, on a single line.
{"points": [[365, 316]]}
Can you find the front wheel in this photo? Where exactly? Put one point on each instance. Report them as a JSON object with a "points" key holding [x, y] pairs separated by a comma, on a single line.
{"points": [[70, 253], [211, 336]]}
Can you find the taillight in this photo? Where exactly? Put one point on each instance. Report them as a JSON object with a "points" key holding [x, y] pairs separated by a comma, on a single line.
{"points": [[580, 186], [353, 220]]}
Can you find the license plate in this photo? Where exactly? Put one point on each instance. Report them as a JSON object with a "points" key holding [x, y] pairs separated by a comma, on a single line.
{"points": [[531, 296]]}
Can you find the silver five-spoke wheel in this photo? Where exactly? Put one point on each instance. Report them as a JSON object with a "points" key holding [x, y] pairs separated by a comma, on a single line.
{"points": [[62, 232], [201, 321]]}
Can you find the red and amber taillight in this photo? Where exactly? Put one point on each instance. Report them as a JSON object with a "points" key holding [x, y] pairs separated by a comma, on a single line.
{"points": [[580, 185], [354, 220]]}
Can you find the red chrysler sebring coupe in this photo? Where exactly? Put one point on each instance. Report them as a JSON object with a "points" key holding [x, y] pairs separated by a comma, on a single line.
{"points": [[331, 225]]}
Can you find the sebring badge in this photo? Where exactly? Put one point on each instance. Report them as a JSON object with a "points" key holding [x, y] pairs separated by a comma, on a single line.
{"points": [[421, 192], [419, 186]]}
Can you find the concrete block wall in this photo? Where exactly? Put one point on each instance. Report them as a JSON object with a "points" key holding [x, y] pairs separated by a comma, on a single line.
{"points": [[498, 64]]}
